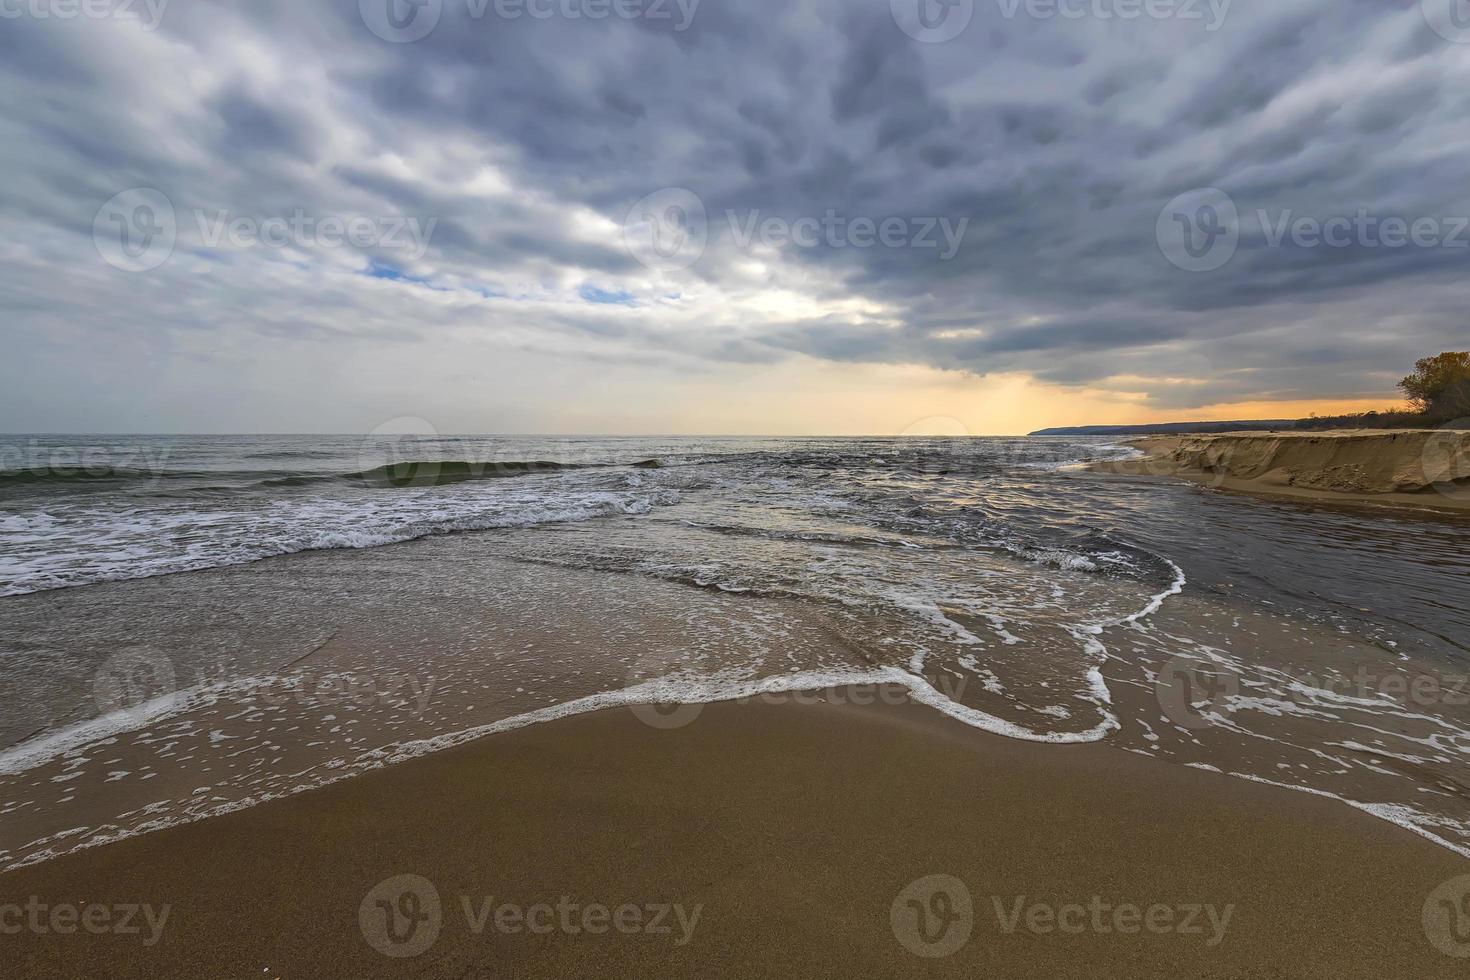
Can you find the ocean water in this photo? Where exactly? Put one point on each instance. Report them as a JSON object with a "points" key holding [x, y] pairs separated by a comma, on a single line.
{"points": [[476, 583]]}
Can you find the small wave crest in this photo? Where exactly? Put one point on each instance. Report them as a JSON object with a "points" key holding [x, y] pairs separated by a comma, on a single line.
{"points": [[436, 473], [444, 472], [91, 474], [403, 474]]}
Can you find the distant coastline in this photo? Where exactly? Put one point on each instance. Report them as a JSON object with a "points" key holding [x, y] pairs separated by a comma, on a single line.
{"points": [[1317, 423], [1168, 428]]}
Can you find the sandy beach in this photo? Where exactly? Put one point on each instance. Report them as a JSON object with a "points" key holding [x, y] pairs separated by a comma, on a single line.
{"points": [[779, 836], [1421, 469]]}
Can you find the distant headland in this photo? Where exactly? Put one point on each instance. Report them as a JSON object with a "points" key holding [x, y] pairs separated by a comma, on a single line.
{"points": [[1438, 393], [1168, 428]]}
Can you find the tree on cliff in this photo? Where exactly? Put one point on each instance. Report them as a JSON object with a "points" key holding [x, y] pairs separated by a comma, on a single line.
{"points": [[1440, 386]]}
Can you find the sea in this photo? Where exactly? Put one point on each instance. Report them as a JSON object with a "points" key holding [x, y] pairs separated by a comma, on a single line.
{"points": [[194, 624]]}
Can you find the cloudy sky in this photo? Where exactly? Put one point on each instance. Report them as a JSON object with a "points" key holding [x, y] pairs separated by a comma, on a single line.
{"points": [[724, 216]]}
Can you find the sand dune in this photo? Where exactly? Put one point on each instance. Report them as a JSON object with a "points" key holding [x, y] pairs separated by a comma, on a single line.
{"points": [[1415, 467]]}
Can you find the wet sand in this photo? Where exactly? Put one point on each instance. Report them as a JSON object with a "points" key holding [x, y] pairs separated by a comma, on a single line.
{"points": [[794, 832]]}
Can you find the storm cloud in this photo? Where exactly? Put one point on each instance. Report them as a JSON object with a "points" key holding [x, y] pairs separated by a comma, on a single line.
{"points": [[1150, 192]]}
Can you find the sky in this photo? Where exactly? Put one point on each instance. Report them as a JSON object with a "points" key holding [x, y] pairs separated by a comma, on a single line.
{"points": [[711, 216]]}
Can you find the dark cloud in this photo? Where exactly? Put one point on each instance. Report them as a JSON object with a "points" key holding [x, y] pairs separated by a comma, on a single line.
{"points": [[527, 141]]}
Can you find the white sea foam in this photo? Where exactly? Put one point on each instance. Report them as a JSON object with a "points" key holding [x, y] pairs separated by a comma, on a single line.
{"points": [[87, 546], [44, 748]]}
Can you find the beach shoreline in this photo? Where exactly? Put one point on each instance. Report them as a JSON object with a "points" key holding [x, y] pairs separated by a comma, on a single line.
{"points": [[779, 839], [339, 682], [1061, 676]]}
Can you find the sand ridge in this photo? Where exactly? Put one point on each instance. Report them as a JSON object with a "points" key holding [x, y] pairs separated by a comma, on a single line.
{"points": [[1424, 468]]}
